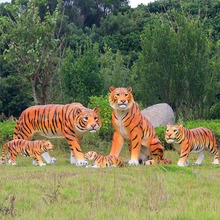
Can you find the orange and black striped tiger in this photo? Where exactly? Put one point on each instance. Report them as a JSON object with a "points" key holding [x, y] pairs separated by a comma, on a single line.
{"points": [[69, 121], [103, 161], [26, 148], [191, 141], [130, 125]]}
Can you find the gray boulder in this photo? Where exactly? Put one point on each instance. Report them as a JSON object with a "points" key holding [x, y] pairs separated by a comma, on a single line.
{"points": [[159, 115]]}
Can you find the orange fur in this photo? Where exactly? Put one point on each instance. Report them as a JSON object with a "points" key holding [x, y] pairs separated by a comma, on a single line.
{"points": [[69, 121], [130, 125], [26, 148], [191, 141], [103, 161]]}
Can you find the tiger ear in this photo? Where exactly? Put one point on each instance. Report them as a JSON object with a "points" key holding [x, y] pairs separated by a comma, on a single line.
{"points": [[111, 88], [129, 89], [96, 110]]}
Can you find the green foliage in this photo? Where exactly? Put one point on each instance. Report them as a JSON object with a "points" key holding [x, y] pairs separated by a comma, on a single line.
{"points": [[160, 132], [33, 47], [80, 73], [114, 70], [102, 103], [6, 131], [215, 111], [14, 96], [174, 68]]}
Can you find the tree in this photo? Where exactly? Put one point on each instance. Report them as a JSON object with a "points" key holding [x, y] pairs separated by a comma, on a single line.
{"points": [[14, 96], [33, 46], [80, 73], [173, 66]]}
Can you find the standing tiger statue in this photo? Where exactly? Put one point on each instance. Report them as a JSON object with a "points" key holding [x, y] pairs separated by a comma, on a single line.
{"points": [[26, 148], [191, 141], [103, 161], [69, 121], [130, 125]]}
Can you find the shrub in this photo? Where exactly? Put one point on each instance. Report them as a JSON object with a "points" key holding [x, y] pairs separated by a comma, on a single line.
{"points": [[6, 131], [102, 103], [215, 111]]}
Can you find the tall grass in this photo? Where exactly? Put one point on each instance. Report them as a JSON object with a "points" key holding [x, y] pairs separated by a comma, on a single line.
{"points": [[64, 191]]}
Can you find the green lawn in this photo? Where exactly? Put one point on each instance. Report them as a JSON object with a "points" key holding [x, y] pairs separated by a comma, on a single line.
{"points": [[64, 191]]}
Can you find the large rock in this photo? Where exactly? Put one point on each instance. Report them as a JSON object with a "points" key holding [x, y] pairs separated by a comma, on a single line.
{"points": [[159, 114]]}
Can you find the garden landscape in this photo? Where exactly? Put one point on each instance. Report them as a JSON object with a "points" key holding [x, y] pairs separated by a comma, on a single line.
{"points": [[62, 52]]}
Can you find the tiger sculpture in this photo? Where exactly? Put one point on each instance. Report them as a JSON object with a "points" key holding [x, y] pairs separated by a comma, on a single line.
{"points": [[191, 141], [69, 121], [103, 161], [130, 125], [26, 148]]}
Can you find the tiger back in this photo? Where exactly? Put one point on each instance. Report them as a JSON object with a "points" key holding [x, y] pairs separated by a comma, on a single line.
{"points": [[192, 141], [69, 121], [130, 125], [103, 161], [26, 148]]}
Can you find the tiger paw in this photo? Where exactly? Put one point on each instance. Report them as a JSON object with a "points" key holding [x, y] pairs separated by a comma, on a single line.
{"points": [[42, 164], [81, 163], [196, 163], [53, 160], [182, 164], [215, 162], [133, 162], [95, 166]]}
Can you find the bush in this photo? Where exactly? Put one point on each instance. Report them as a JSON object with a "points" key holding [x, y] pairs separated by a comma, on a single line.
{"points": [[102, 103], [6, 131], [215, 111]]}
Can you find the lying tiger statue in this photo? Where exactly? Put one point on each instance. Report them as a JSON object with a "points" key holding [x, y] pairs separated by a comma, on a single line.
{"points": [[191, 141], [26, 148], [103, 161], [69, 121], [130, 125]]}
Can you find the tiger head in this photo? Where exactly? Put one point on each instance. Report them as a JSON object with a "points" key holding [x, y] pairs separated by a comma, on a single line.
{"points": [[87, 120], [173, 133], [47, 145], [90, 155], [120, 98]]}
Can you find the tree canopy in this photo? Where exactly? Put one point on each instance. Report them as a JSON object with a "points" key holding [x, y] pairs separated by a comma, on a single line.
{"points": [[65, 51]]}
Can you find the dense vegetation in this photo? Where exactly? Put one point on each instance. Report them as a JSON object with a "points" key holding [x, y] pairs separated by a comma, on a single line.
{"points": [[60, 52]]}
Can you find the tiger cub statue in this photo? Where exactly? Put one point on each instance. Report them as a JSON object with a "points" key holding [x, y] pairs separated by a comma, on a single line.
{"points": [[130, 125], [103, 161], [26, 148], [69, 121], [191, 141]]}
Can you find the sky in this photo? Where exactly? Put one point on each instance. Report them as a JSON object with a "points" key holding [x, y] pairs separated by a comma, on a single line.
{"points": [[133, 3]]}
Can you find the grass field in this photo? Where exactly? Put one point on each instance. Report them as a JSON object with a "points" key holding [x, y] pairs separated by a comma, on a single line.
{"points": [[64, 191]]}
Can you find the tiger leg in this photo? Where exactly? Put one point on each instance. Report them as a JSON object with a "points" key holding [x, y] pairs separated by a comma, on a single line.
{"points": [[200, 158], [184, 153], [135, 148], [39, 160], [216, 154], [12, 159], [48, 158], [77, 153], [117, 144], [156, 151]]}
